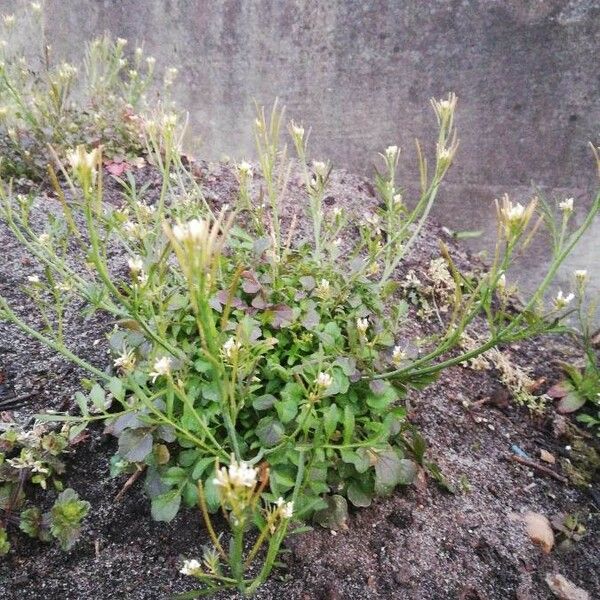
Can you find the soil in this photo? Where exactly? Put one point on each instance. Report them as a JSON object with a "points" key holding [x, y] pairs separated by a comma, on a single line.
{"points": [[420, 543]]}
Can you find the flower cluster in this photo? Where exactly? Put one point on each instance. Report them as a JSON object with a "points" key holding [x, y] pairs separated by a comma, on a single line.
{"points": [[561, 301], [193, 232], [125, 362], [236, 485], [323, 380], [162, 368], [514, 218], [84, 165], [231, 348]]}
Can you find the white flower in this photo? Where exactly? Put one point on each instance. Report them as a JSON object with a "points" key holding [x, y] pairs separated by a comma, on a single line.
{"points": [[320, 168], [501, 285], [67, 71], [193, 231], [231, 347], [244, 169], [566, 205], [240, 475], [135, 264], [121, 42], [398, 355], [36, 7], [444, 154], [561, 301], [337, 242], [33, 279], [132, 229], [26, 460], [297, 131], [337, 211], [323, 288], [64, 286], [170, 120], [191, 567], [286, 509], [151, 61], [83, 163], [126, 361], [397, 199], [391, 152], [9, 20], [44, 239], [513, 213], [170, 75], [581, 275], [324, 380], [362, 325], [162, 366]]}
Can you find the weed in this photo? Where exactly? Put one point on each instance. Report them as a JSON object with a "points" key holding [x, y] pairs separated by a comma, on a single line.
{"points": [[34, 458], [237, 343]]}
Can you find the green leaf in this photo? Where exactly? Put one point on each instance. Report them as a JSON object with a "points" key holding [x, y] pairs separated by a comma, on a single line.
{"points": [[359, 458], [340, 383], [286, 409], [190, 494], [135, 444], [391, 470], [201, 466], [174, 476], [358, 496], [570, 403], [335, 515], [263, 402], [211, 493], [4, 543], [116, 388], [81, 402], [381, 397], [165, 507], [31, 521], [282, 479], [269, 431], [347, 364], [66, 515], [98, 397], [331, 418]]}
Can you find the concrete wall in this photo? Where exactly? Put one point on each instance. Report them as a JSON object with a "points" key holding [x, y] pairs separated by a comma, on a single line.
{"points": [[360, 73]]}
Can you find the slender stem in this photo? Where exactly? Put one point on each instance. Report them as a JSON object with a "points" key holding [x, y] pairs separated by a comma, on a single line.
{"points": [[207, 521]]}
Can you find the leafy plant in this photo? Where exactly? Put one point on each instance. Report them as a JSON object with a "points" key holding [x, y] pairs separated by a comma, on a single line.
{"points": [[581, 386], [239, 493], [30, 458], [239, 342], [47, 102]]}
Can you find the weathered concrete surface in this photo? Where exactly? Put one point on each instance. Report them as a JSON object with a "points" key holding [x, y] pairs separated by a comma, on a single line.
{"points": [[360, 73]]}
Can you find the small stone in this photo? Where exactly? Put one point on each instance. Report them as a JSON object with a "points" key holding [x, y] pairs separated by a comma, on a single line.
{"points": [[539, 530], [563, 589], [547, 457]]}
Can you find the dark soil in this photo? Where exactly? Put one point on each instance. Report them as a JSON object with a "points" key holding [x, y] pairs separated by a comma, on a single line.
{"points": [[421, 543]]}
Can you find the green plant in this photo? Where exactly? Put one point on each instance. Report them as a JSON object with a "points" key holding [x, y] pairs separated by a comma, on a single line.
{"points": [[240, 489], [34, 458], [233, 343], [45, 102], [234, 338], [581, 386]]}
